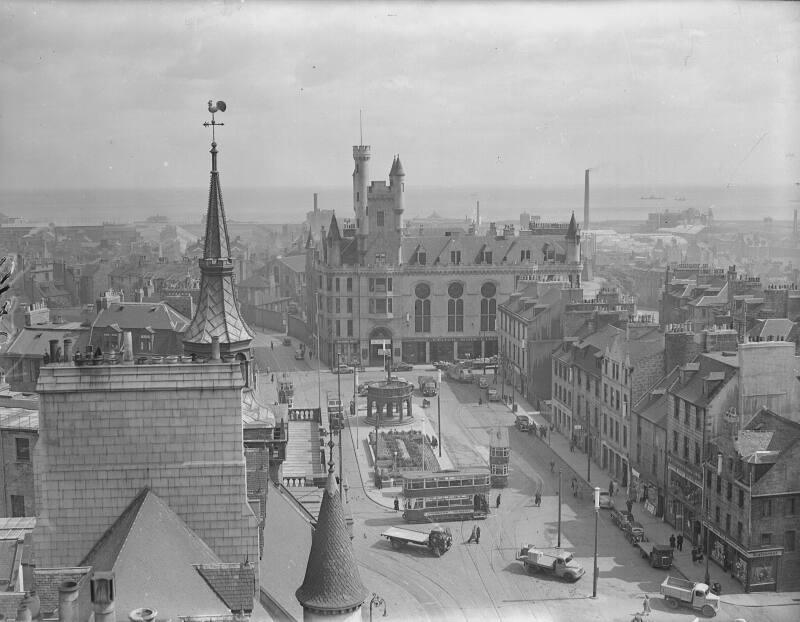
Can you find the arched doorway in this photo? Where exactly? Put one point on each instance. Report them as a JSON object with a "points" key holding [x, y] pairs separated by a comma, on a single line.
{"points": [[380, 341]]}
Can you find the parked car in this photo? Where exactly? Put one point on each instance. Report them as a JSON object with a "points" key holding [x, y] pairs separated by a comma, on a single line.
{"points": [[402, 366], [343, 369], [621, 517], [493, 395], [287, 341], [606, 502]]}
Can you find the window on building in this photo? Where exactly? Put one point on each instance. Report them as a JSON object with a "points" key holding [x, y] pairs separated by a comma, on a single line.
{"points": [[766, 508], [654, 466], [337, 283], [685, 447], [455, 257], [624, 435], [716, 514], [790, 506], [605, 392], [605, 424], [380, 218], [330, 283], [488, 306], [674, 442], [349, 328], [676, 404], [349, 283], [638, 427], [788, 541], [719, 485], [698, 412], [338, 324], [741, 498], [638, 453], [729, 491], [617, 394], [487, 257], [616, 431], [329, 302], [525, 255], [338, 305], [686, 409], [380, 259], [727, 523], [349, 305], [23, 449], [696, 452], [766, 539], [145, 343], [739, 529], [17, 506], [455, 308]]}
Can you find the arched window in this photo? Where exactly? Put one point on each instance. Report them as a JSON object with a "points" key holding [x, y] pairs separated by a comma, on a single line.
{"points": [[455, 308], [488, 306], [422, 308]]}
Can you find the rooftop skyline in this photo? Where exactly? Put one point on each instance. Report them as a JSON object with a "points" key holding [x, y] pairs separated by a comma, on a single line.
{"points": [[467, 93]]}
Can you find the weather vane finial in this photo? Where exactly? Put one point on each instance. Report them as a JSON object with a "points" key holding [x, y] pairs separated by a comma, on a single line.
{"points": [[219, 107]]}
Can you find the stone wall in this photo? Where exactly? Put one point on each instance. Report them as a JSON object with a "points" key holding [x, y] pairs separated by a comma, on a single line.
{"points": [[106, 432]]}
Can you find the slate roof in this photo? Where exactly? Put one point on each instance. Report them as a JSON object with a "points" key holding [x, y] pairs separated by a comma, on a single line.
{"points": [[12, 418], [217, 242], [16, 527], [235, 584], [691, 389], [140, 315], [254, 413], [332, 581], [776, 329], [34, 340], [153, 555], [653, 404], [296, 263]]}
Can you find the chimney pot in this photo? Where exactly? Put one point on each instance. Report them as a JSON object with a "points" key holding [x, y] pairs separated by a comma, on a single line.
{"points": [[128, 347], [68, 601], [53, 350], [143, 614]]}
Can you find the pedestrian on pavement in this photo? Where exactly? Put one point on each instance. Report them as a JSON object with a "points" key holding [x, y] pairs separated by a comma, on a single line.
{"points": [[396, 504], [272, 379], [271, 345], [497, 504], [646, 606], [538, 499], [611, 488], [473, 535], [629, 503], [672, 541], [571, 446], [477, 535], [679, 541]]}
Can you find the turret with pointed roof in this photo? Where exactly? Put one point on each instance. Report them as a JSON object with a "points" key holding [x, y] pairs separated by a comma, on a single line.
{"points": [[217, 310], [332, 586]]}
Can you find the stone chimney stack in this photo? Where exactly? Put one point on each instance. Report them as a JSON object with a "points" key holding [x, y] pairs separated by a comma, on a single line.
{"points": [[127, 353], [102, 593], [68, 601], [53, 350]]}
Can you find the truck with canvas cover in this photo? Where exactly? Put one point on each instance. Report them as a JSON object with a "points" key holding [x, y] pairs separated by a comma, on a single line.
{"points": [[698, 596], [428, 386], [556, 561]]}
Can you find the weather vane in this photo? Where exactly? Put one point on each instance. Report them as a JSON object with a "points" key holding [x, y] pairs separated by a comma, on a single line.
{"points": [[219, 107]]}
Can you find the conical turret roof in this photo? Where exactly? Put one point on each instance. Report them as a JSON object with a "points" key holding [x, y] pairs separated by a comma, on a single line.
{"points": [[572, 230], [333, 233], [332, 581], [398, 168], [217, 243]]}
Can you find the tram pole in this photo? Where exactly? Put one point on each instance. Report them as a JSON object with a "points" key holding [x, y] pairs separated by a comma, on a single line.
{"points": [[559, 509], [341, 417], [439, 410], [596, 514]]}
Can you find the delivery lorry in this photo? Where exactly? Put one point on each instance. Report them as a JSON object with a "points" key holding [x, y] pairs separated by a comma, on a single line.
{"points": [[556, 561], [659, 555], [438, 539], [428, 386], [698, 596]]}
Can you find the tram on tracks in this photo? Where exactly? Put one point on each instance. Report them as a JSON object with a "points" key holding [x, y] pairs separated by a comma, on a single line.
{"points": [[446, 495]]}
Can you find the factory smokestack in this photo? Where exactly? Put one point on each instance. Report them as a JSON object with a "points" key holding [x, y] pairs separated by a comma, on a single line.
{"points": [[586, 200], [478, 216], [795, 223]]}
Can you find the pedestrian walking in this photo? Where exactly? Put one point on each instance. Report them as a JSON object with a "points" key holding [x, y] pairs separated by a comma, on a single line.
{"points": [[473, 535], [629, 503], [477, 535], [611, 488], [672, 541], [272, 379], [271, 345], [646, 606], [497, 503], [396, 504], [538, 499], [572, 446], [679, 541]]}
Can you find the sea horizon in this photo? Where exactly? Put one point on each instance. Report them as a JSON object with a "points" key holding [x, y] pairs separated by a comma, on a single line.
{"points": [[289, 204]]}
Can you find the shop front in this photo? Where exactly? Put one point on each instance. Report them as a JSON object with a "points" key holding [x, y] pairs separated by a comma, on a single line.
{"points": [[682, 502], [757, 571]]}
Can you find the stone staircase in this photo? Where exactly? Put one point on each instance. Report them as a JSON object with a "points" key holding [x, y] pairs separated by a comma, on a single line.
{"points": [[303, 461]]}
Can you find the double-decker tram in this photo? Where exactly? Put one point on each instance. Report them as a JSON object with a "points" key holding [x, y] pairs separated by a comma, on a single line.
{"points": [[445, 495], [499, 457]]}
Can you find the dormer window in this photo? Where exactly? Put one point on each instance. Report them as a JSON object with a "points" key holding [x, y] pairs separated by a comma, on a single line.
{"points": [[380, 217], [455, 257], [422, 258], [487, 257], [525, 255]]}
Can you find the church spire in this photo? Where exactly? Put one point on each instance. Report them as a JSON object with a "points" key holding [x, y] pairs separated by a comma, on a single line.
{"points": [[217, 310]]}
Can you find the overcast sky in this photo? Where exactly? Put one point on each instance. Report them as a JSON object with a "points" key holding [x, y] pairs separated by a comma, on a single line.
{"points": [[114, 94]]}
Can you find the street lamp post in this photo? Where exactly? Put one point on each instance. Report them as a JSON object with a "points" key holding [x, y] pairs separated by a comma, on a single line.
{"points": [[596, 515], [559, 509], [341, 418], [439, 409]]}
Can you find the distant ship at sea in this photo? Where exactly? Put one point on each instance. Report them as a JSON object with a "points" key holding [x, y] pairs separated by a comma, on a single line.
{"points": [[680, 198], [651, 197]]}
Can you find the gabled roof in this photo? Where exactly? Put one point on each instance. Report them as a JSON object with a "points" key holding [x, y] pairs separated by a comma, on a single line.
{"points": [[152, 554], [653, 404], [139, 315], [694, 388], [234, 584], [774, 329], [34, 340], [332, 581]]}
